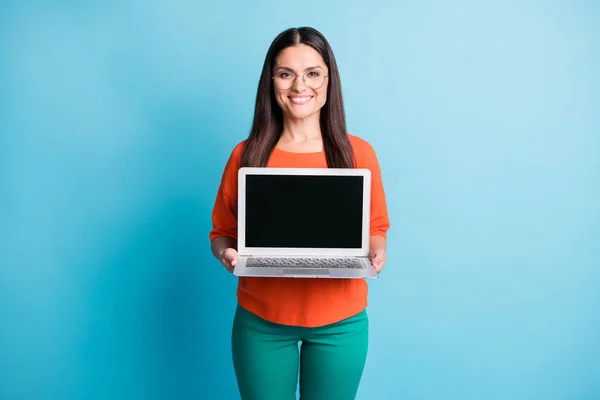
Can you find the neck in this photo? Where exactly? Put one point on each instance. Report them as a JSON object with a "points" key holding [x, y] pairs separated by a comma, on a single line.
{"points": [[301, 131]]}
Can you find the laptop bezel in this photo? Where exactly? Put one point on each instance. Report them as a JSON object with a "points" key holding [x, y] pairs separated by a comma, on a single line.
{"points": [[363, 251]]}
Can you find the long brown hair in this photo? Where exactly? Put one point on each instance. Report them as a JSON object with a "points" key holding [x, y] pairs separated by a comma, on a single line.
{"points": [[267, 126]]}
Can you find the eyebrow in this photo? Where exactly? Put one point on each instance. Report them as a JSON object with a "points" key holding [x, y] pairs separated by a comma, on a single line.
{"points": [[278, 67]]}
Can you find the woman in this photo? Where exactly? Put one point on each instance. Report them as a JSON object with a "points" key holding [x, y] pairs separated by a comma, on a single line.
{"points": [[299, 121]]}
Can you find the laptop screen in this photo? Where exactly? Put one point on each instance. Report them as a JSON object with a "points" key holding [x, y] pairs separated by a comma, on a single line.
{"points": [[300, 211]]}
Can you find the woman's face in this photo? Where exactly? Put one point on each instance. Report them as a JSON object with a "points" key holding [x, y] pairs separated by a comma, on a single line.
{"points": [[300, 101]]}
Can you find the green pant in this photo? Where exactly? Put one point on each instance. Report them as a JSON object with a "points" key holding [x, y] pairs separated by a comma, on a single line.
{"points": [[267, 358]]}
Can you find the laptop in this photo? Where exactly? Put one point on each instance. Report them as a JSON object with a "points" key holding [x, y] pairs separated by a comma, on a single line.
{"points": [[304, 223]]}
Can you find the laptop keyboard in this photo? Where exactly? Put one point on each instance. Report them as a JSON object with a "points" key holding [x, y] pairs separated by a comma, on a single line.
{"points": [[304, 262]]}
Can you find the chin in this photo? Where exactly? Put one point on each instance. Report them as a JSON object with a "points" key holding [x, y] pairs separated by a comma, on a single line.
{"points": [[301, 114]]}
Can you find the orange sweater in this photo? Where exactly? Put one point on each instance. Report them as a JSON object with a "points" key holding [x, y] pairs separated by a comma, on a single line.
{"points": [[307, 302]]}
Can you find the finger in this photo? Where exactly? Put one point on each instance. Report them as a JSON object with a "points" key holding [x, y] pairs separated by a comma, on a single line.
{"points": [[229, 264], [229, 255], [378, 263], [377, 259]]}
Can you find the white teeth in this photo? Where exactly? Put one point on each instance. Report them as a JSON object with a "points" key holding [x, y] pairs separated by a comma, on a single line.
{"points": [[300, 100]]}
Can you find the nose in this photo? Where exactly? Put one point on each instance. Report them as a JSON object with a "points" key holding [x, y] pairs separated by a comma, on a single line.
{"points": [[299, 84]]}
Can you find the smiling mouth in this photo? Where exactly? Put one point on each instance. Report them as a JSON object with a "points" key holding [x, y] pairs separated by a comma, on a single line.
{"points": [[300, 100]]}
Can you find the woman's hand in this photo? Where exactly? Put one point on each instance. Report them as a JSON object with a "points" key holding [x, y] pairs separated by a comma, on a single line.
{"points": [[377, 257], [229, 257], [223, 248]]}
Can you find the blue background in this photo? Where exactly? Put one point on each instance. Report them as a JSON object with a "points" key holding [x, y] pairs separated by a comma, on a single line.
{"points": [[116, 120]]}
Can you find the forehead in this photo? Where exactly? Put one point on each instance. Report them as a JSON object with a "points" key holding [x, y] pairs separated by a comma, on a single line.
{"points": [[299, 57]]}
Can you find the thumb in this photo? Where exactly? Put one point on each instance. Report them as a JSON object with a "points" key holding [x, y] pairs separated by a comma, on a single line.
{"points": [[231, 256], [376, 259]]}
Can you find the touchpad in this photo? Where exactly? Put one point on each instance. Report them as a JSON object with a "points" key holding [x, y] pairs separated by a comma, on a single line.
{"points": [[258, 271], [306, 271]]}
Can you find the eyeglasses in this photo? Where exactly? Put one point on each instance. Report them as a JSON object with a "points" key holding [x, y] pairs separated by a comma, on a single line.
{"points": [[313, 79]]}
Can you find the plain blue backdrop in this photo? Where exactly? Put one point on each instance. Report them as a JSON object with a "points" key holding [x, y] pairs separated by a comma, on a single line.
{"points": [[116, 120]]}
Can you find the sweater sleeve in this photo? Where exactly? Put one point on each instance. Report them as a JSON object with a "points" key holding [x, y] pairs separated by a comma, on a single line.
{"points": [[380, 222], [224, 214]]}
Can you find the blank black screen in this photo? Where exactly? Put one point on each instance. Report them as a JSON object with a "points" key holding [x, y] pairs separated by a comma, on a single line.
{"points": [[304, 211]]}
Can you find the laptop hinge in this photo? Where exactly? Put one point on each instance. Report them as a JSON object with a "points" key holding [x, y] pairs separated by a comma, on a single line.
{"points": [[314, 256], [298, 256]]}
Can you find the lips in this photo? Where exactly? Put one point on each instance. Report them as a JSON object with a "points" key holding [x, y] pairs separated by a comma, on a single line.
{"points": [[300, 100]]}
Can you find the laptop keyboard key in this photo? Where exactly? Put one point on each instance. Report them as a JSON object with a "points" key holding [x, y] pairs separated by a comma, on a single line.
{"points": [[304, 262]]}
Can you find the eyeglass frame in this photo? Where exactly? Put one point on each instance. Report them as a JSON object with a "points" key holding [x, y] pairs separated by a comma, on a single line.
{"points": [[303, 80]]}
